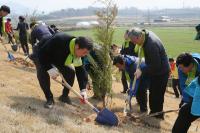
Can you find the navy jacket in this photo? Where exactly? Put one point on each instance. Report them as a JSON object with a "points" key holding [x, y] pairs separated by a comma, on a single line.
{"points": [[155, 56], [39, 32]]}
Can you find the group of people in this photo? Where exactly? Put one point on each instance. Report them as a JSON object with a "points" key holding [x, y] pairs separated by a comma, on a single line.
{"points": [[22, 28], [153, 72], [142, 56]]}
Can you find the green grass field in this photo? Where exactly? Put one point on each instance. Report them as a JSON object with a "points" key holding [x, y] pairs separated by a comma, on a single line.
{"points": [[176, 39]]}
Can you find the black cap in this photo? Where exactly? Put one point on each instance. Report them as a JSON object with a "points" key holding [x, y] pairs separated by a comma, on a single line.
{"points": [[5, 8], [118, 60]]}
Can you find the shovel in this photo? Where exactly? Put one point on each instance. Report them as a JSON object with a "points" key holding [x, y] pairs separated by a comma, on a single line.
{"points": [[128, 99], [14, 47], [105, 117], [153, 114], [10, 56]]}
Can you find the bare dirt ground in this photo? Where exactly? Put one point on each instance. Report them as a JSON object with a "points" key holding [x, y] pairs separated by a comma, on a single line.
{"points": [[22, 111]]}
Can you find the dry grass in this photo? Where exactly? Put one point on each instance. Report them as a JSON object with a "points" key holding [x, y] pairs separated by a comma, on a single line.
{"points": [[21, 107]]}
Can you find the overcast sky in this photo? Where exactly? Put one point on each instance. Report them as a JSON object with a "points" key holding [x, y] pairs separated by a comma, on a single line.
{"points": [[52, 5]]}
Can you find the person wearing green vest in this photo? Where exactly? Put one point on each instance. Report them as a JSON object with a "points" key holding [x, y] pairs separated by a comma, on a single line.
{"points": [[127, 49], [63, 51], [4, 11], [157, 68], [189, 73]]}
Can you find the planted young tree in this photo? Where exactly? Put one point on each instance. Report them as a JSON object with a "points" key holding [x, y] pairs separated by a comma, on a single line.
{"points": [[101, 74]]}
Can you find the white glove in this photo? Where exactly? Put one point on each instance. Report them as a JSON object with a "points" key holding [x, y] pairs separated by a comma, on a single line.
{"points": [[84, 95], [138, 73], [53, 73]]}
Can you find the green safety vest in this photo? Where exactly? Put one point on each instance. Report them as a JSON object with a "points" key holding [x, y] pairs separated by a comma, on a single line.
{"points": [[127, 76], [71, 58], [126, 44], [136, 49], [191, 75]]}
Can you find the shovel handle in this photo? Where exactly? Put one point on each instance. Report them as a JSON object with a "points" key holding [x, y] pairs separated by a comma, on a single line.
{"points": [[157, 113], [75, 92], [134, 82]]}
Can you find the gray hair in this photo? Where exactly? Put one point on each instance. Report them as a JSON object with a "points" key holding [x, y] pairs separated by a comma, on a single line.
{"points": [[136, 32]]}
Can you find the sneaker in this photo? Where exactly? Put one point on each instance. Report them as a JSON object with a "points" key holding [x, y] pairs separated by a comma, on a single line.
{"points": [[65, 99], [49, 104]]}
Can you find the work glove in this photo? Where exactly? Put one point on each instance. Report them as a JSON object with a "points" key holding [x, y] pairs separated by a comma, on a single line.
{"points": [[53, 73], [138, 73], [84, 95]]}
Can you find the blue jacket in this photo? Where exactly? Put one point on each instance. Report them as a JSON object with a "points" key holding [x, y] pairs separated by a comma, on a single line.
{"points": [[183, 78], [130, 68], [193, 90]]}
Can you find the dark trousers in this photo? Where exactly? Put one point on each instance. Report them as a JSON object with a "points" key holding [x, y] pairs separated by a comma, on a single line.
{"points": [[184, 119], [124, 81], [176, 87], [44, 80], [24, 43], [141, 94], [10, 37], [157, 90]]}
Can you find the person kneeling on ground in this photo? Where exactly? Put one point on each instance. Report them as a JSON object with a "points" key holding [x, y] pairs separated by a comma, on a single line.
{"points": [[63, 50]]}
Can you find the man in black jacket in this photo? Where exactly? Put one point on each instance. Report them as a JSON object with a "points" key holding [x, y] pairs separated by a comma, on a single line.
{"points": [[63, 50], [157, 66], [39, 31], [39, 35], [23, 28], [127, 49]]}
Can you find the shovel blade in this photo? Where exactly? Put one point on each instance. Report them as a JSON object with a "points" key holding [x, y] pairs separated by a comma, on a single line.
{"points": [[14, 47], [10, 57], [106, 117]]}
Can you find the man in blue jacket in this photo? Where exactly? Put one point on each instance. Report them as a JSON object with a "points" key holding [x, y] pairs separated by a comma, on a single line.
{"points": [[127, 49], [129, 65], [189, 69]]}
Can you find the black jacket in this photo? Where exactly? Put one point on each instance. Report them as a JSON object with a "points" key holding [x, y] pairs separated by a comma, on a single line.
{"points": [[39, 32], [55, 51], [1, 26], [129, 50], [22, 27], [155, 56]]}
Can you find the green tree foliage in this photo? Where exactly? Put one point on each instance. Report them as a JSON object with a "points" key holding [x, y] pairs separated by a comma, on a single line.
{"points": [[101, 74]]}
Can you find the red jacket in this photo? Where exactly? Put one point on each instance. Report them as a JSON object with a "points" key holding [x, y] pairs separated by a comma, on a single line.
{"points": [[8, 27]]}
